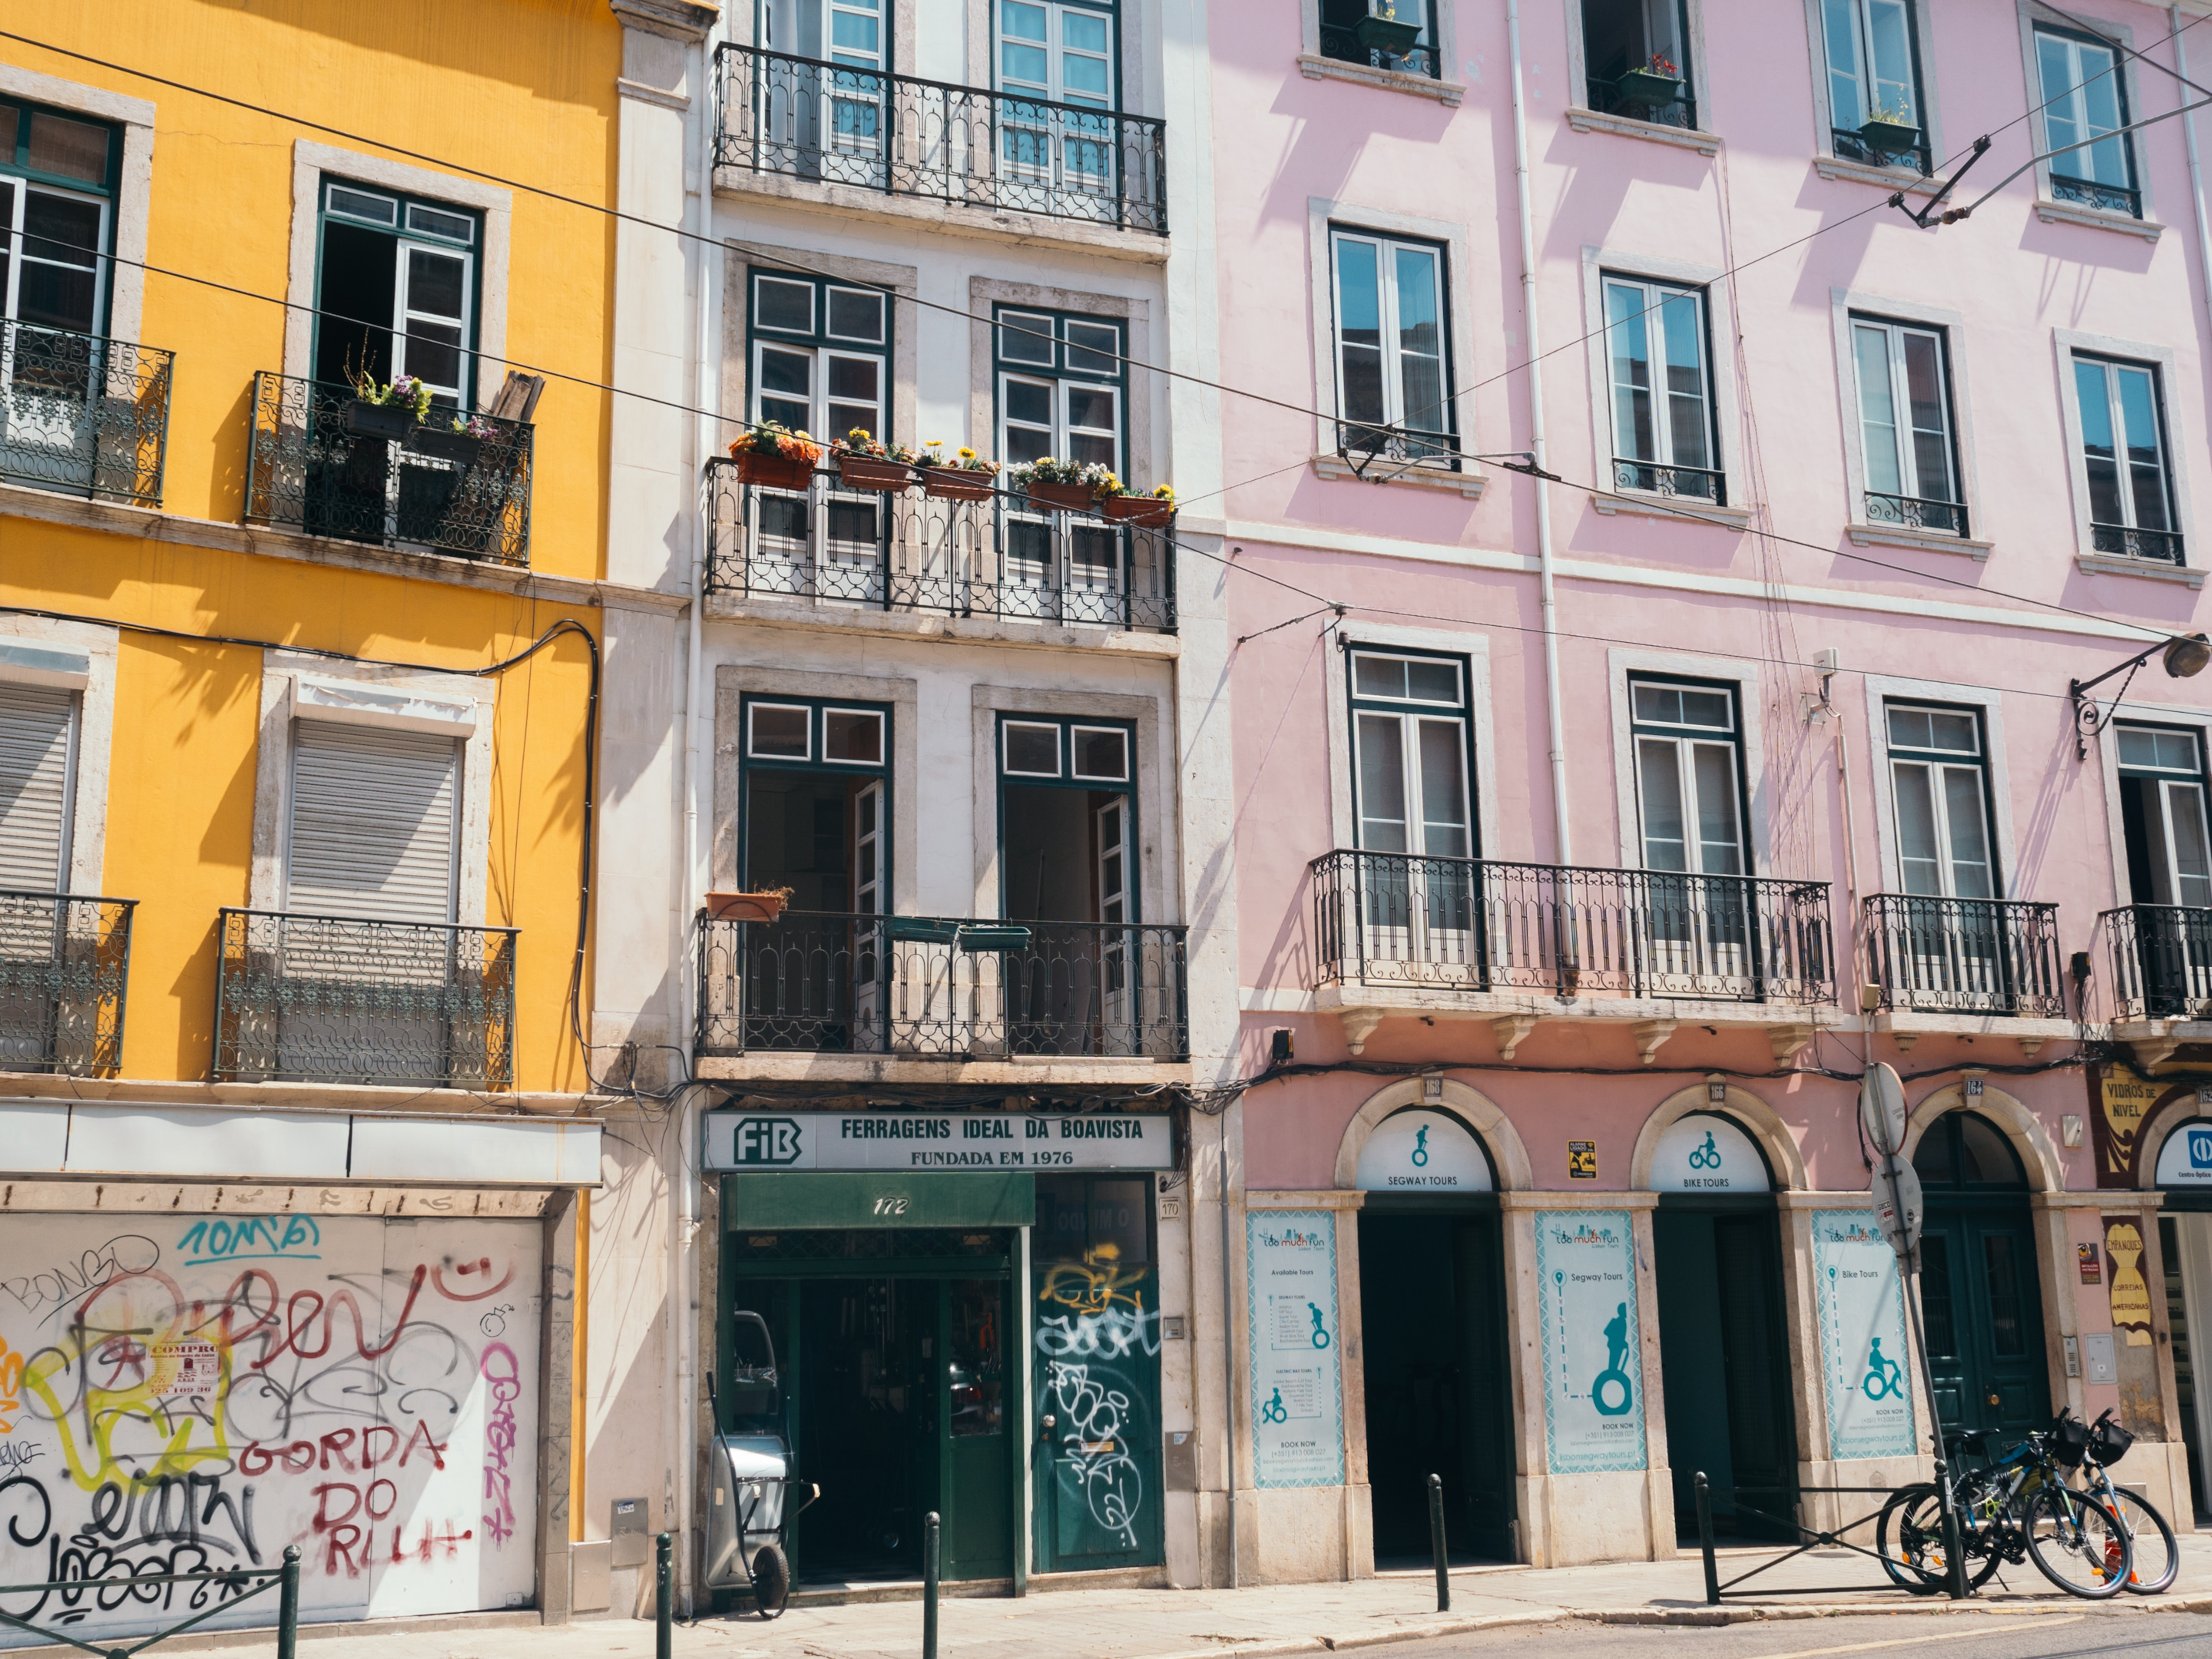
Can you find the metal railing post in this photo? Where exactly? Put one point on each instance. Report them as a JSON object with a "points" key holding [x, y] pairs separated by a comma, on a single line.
{"points": [[929, 1548], [1437, 1542], [1706, 1540], [288, 1606], [664, 1596]]}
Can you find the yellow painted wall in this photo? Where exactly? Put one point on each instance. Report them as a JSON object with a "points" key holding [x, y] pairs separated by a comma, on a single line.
{"points": [[522, 88]]}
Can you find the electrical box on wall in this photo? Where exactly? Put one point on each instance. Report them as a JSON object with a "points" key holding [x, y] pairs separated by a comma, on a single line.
{"points": [[1179, 1460], [630, 1530], [2098, 1365], [2073, 1346]]}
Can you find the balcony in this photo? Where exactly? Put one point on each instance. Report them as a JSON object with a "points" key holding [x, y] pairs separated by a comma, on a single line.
{"points": [[2088, 192], [1916, 512], [942, 989], [2162, 978], [1395, 934], [903, 551], [324, 463], [65, 971], [1967, 967], [1693, 483], [83, 415], [350, 999], [1865, 145], [2157, 546], [891, 135]]}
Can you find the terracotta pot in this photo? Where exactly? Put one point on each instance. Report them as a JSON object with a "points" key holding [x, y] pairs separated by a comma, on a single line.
{"points": [[1074, 497], [745, 907], [772, 472], [866, 473], [1146, 512], [954, 483]]}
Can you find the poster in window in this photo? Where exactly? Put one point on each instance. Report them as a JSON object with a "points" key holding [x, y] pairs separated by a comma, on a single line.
{"points": [[1866, 1357], [1593, 1364], [1297, 1394]]}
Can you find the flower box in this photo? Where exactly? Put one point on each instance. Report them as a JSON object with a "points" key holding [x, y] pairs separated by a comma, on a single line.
{"points": [[958, 483], [770, 470], [367, 420], [462, 448], [922, 930], [1890, 138], [1073, 497], [1387, 36], [867, 472], [1643, 86], [1146, 511], [745, 907]]}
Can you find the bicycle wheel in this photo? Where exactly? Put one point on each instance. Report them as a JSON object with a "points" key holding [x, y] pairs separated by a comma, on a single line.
{"points": [[2157, 1556], [1910, 1536], [2077, 1543]]}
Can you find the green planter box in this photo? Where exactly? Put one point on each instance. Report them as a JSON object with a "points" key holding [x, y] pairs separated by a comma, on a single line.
{"points": [[1645, 87], [1387, 36], [1891, 137]]}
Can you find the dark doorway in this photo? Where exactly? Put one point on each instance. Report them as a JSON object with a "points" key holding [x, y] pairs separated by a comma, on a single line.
{"points": [[1439, 1397], [1980, 1295], [2184, 1348], [1724, 1357]]}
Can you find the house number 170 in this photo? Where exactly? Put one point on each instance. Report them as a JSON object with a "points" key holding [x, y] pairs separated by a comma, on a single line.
{"points": [[891, 1205]]}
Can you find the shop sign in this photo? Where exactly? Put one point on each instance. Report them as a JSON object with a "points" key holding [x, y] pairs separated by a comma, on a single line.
{"points": [[2121, 1103], [1297, 1394], [1593, 1359], [2186, 1159], [1582, 1160], [1865, 1354], [2093, 1269], [1701, 1153], [955, 1140], [2129, 1290], [1422, 1152]]}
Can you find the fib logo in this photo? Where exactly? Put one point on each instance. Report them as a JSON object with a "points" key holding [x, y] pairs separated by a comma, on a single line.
{"points": [[771, 1140]]}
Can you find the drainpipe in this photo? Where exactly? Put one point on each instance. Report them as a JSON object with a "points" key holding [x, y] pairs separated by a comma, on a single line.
{"points": [[1547, 607], [2196, 170], [1229, 1348]]}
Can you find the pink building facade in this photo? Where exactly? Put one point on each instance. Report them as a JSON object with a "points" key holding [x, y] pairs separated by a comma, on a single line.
{"points": [[1591, 834]]}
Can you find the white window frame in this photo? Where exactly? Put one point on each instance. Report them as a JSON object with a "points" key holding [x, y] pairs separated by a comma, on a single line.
{"points": [[79, 658], [21, 251], [2168, 780], [1583, 118], [1893, 331], [987, 298], [1410, 713], [404, 313], [1647, 666], [1656, 295], [1824, 114], [1684, 741], [1392, 363], [1484, 822], [1053, 90], [1842, 304], [2110, 369], [818, 389], [2197, 720], [2048, 208], [125, 280], [1935, 761], [1059, 390], [1883, 689], [2065, 343]]}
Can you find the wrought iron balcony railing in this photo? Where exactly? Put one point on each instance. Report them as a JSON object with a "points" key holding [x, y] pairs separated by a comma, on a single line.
{"points": [[2112, 198], [1342, 43], [81, 415], [352, 999], [1965, 956], [1397, 920], [903, 550], [2159, 546], [1916, 512], [1695, 483], [932, 988], [324, 463], [2162, 961], [1606, 98], [64, 973], [833, 123]]}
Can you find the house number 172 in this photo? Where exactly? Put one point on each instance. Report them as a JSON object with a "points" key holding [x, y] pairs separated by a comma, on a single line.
{"points": [[891, 1205]]}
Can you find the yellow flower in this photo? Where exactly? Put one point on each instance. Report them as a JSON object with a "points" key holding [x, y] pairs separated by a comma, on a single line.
{"points": [[966, 454], [859, 433], [937, 443]]}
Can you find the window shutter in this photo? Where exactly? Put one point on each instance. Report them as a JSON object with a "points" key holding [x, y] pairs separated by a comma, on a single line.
{"points": [[34, 786], [374, 823]]}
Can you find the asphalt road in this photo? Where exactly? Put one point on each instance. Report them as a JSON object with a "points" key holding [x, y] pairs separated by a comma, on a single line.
{"points": [[1967, 1636]]}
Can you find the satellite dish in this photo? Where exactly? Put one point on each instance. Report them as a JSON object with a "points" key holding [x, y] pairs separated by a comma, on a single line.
{"points": [[1881, 1108]]}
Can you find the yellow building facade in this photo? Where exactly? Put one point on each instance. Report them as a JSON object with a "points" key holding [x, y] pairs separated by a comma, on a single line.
{"points": [[304, 449]]}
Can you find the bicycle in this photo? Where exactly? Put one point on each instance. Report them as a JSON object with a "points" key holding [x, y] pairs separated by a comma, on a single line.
{"points": [[2019, 1509], [2157, 1557]]}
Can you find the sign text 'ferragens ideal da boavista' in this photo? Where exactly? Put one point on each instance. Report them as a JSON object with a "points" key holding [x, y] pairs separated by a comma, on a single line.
{"points": [[872, 1141]]}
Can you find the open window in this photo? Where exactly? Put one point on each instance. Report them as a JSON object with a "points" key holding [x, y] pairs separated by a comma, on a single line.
{"points": [[1636, 59], [396, 291], [1381, 34], [1873, 82], [2166, 831]]}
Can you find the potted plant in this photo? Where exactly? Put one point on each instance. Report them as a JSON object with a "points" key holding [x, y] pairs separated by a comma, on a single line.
{"points": [[1658, 82], [460, 443], [774, 457], [1382, 32], [766, 905], [967, 476], [867, 463], [1153, 510], [386, 411], [1062, 485], [1890, 131]]}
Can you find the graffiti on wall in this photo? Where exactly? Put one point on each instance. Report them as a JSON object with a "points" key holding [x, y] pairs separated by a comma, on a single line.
{"points": [[197, 1393], [1093, 1331]]}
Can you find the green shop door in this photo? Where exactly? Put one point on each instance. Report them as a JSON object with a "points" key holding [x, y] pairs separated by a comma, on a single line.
{"points": [[1440, 1398], [1094, 1308], [1979, 1292]]}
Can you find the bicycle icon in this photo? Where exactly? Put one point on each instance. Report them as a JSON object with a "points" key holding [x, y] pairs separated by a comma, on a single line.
{"points": [[1320, 1335], [1275, 1411], [1421, 1147], [1707, 1157], [1883, 1380]]}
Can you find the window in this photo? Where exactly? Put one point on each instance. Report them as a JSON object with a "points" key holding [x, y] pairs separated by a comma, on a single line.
{"points": [[1905, 427], [1067, 791], [1392, 369], [1689, 788], [38, 776], [2163, 817], [1060, 55], [2124, 449], [2085, 105], [1873, 82], [1062, 385], [1940, 779], [375, 823], [58, 180], [1381, 35], [815, 818], [820, 352], [1664, 436], [396, 290], [1413, 743], [1636, 56]]}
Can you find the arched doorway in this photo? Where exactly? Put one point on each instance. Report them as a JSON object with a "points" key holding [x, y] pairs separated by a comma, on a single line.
{"points": [[1724, 1333], [1980, 1294], [1433, 1336]]}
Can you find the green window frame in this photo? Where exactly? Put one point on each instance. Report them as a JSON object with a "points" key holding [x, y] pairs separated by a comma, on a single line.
{"points": [[1083, 751], [771, 740], [819, 345], [420, 317], [1061, 386], [60, 174]]}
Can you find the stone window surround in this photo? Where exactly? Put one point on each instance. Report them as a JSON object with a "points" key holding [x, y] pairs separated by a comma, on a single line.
{"points": [[1842, 303], [2048, 206], [272, 772], [134, 195], [987, 294], [310, 163], [1337, 688], [1578, 61], [95, 729], [902, 281], [1881, 691], [1744, 674], [1824, 119], [2065, 341], [2138, 712], [1315, 67]]}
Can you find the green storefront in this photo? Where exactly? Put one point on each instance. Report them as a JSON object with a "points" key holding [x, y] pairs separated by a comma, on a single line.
{"points": [[968, 1324]]}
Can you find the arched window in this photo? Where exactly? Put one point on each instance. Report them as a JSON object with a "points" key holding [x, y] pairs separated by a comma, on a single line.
{"points": [[1962, 1150]]}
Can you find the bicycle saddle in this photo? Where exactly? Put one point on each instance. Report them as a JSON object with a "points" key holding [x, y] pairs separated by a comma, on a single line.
{"points": [[1968, 1440]]}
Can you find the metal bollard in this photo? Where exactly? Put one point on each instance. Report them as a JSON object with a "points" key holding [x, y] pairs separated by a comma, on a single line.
{"points": [[1705, 1541], [664, 1596], [288, 1604], [929, 1528], [1437, 1542]]}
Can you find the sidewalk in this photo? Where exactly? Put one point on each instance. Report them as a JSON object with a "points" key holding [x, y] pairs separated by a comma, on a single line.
{"points": [[1155, 1623]]}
